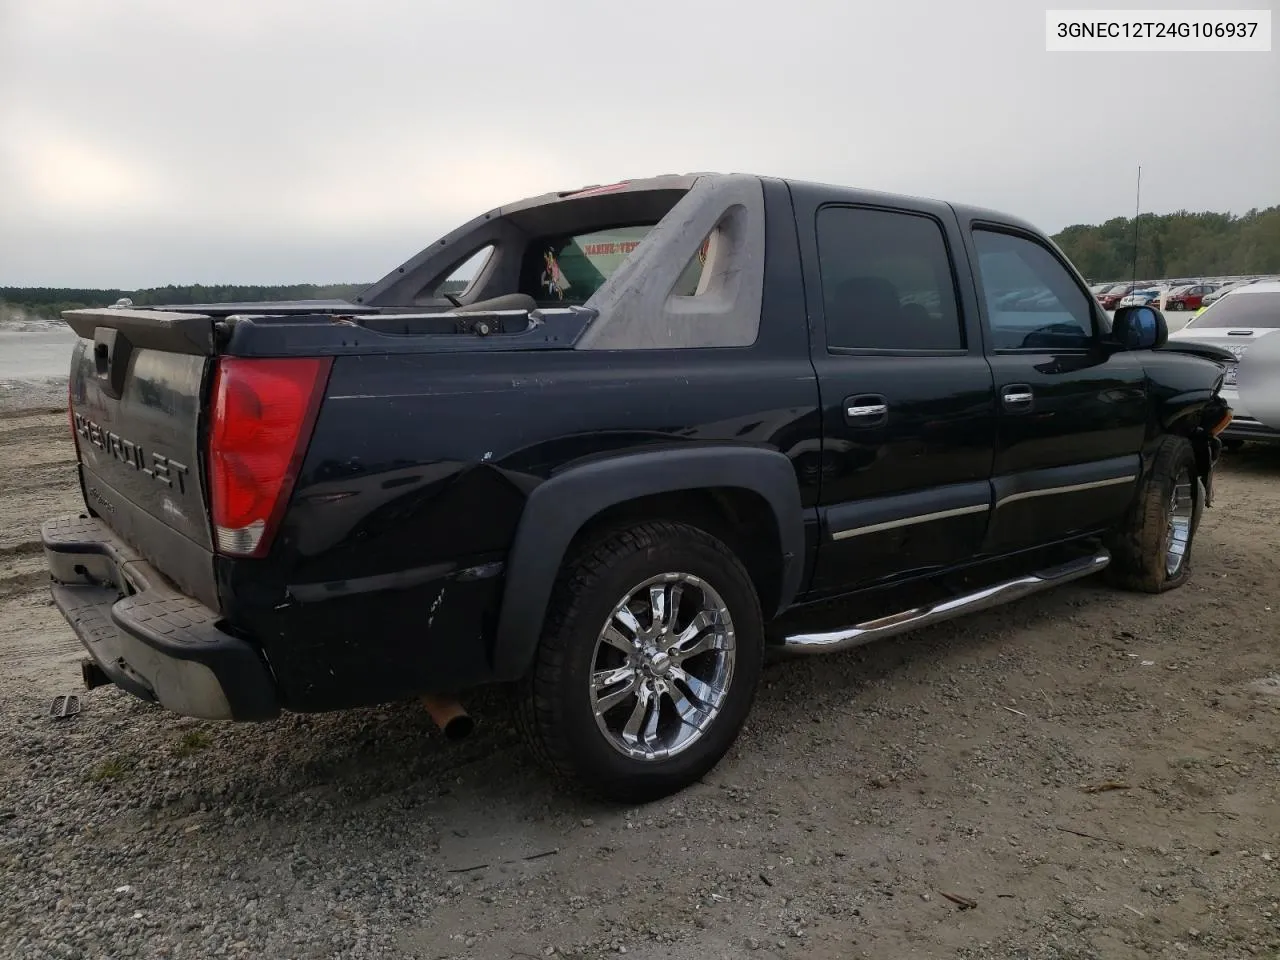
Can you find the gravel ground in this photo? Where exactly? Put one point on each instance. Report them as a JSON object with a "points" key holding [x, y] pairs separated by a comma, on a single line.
{"points": [[968, 761], [18, 395]]}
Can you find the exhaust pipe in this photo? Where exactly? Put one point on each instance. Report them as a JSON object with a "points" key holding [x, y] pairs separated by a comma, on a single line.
{"points": [[450, 716], [93, 675]]}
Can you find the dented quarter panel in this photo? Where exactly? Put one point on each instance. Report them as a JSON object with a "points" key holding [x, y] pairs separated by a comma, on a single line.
{"points": [[408, 501], [1181, 386]]}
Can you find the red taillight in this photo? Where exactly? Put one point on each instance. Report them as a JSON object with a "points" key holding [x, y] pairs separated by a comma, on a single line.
{"points": [[263, 412]]}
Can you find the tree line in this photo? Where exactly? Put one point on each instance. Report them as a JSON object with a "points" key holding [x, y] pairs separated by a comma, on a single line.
{"points": [[51, 301], [1178, 244], [1181, 244]]}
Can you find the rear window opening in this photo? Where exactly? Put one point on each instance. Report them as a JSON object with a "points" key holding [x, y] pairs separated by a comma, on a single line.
{"points": [[555, 272], [535, 263], [568, 270], [552, 251]]}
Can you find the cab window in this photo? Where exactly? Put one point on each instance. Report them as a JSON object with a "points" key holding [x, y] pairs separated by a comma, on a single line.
{"points": [[1032, 300]]}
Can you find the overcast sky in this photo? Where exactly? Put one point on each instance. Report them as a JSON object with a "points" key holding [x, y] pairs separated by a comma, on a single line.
{"points": [[145, 142]]}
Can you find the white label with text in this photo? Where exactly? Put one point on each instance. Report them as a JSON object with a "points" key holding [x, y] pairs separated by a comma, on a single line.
{"points": [[1169, 31]]}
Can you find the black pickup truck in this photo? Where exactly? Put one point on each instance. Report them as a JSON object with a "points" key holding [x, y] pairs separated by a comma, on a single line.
{"points": [[610, 447]]}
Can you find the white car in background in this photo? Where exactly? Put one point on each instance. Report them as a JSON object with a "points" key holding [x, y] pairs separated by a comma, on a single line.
{"points": [[1144, 297], [1243, 321]]}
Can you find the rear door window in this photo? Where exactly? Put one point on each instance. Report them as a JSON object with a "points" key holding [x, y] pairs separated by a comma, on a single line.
{"points": [[887, 282]]}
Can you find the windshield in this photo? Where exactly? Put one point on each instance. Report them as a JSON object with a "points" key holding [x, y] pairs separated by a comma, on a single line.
{"points": [[1261, 310]]}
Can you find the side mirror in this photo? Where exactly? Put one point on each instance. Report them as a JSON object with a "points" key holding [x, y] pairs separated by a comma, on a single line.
{"points": [[1140, 328]]}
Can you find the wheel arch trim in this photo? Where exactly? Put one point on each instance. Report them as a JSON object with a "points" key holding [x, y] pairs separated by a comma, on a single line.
{"points": [[559, 508]]}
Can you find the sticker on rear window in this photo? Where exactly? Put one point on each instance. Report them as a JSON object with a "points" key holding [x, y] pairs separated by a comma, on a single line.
{"points": [[553, 279]]}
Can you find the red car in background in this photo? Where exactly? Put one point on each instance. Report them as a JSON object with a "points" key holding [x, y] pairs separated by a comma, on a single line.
{"points": [[1189, 298], [1111, 297]]}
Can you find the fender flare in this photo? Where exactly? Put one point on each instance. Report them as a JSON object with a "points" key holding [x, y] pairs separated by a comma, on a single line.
{"points": [[560, 506]]}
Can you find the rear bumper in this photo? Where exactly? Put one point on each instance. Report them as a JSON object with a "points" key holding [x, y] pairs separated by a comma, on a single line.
{"points": [[147, 637]]}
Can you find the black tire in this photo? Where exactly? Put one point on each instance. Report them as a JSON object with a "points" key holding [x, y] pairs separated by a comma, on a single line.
{"points": [[1140, 546], [1232, 444], [554, 706]]}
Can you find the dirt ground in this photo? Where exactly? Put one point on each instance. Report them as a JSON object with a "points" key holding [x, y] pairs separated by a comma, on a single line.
{"points": [[941, 795]]}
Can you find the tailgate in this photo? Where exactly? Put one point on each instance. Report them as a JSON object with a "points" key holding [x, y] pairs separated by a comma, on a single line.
{"points": [[137, 387]]}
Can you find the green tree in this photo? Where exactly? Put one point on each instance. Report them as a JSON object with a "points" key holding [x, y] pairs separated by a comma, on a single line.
{"points": [[1176, 245]]}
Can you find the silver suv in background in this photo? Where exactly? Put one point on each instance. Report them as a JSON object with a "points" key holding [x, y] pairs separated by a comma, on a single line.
{"points": [[1243, 320], [1216, 295]]}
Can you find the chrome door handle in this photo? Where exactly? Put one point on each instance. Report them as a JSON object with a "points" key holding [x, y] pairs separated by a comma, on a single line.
{"points": [[866, 410], [1018, 397]]}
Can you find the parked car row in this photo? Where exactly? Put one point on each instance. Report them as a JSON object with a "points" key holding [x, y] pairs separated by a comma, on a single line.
{"points": [[1179, 294]]}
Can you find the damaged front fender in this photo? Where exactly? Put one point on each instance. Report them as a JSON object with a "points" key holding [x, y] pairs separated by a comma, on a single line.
{"points": [[1206, 440]]}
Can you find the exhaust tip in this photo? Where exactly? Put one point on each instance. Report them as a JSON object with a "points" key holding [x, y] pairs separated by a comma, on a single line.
{"points": [[450, 716], [459, 728], [93, 675]]}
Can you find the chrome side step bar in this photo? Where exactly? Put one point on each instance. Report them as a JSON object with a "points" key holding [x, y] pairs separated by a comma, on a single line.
{"points": [[992, 596]]}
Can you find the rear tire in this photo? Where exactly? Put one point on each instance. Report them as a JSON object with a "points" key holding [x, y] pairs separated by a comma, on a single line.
{"points": [[1151, 549], [620, 636]]}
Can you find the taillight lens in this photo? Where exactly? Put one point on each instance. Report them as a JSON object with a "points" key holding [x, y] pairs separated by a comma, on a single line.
{"points": [[263, 412]]}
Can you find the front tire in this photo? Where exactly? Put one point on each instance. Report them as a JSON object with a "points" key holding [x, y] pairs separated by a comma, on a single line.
{"points": [[1151, 550], [648, 663]]}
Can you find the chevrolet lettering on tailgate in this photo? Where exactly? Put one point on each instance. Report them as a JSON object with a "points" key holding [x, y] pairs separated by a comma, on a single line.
{"points": [[157, 466]]}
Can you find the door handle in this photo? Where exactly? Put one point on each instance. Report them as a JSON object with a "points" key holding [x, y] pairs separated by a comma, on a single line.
{"points": [[869, 410], [1017, 397]]}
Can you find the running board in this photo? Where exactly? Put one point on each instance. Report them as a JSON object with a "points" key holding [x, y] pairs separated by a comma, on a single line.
{"points": [[992, 596]]}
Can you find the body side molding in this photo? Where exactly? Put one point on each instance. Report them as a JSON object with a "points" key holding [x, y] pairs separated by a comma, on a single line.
{"points": [[1076, 477], [857, 518]]}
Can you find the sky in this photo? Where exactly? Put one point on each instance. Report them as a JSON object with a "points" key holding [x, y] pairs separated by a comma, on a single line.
{"points": [[145, 142]]}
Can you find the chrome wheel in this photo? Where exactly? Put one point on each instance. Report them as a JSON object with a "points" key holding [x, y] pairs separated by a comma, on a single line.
{"points": [[662, 666], [1178, 537]]}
